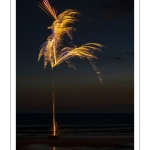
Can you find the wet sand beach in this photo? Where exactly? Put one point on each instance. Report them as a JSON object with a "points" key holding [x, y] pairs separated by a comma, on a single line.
{"points": [[74, 142]]}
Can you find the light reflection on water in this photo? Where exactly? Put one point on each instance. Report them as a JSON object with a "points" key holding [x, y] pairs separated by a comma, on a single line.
{"points": [[46, 147], [74, 125]]}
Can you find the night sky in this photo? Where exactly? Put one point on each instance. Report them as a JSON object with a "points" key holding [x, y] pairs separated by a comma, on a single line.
{"points": [[109, 22]]}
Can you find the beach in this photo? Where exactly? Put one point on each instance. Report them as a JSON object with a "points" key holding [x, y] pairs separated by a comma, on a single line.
{"points": [[22, 143], [77, 132]]}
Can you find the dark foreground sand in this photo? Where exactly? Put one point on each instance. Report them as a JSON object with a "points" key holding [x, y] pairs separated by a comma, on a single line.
{"points": [[74, 142]]}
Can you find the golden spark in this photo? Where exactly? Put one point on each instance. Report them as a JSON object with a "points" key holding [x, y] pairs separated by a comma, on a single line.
{"points": [[54, 51]]}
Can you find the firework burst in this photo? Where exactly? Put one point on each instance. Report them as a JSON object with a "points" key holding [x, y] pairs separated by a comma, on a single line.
{"points": [[55, 52]]}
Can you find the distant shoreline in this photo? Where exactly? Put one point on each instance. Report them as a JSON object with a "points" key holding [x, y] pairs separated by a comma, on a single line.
{"points": [[73, 142]]}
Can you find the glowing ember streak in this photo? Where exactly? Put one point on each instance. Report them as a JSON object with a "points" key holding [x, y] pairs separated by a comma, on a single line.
{"points": [[54, 123], [56, 53], [48, 9]]}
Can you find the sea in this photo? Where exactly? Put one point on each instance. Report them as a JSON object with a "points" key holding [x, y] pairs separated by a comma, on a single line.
{"points": [[76, 125]]}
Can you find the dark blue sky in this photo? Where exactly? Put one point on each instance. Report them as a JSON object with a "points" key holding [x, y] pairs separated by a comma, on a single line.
{"points": [[109, 22]]}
